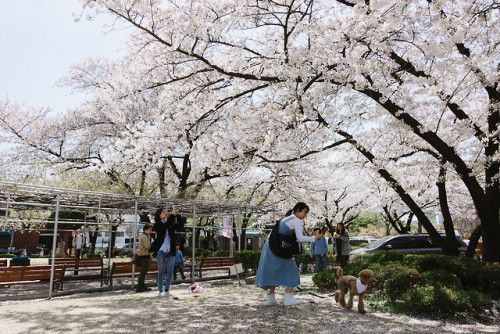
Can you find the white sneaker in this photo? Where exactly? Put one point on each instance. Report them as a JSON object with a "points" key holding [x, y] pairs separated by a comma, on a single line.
{"points": [[290, 301], [160, 294], [166, 294], [271, 299]]}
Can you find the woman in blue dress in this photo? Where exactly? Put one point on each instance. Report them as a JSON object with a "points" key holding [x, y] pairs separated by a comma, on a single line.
{"points": [[275, 271]]}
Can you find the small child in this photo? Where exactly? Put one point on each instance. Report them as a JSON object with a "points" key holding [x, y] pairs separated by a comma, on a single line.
{"points": [[179, 262]]}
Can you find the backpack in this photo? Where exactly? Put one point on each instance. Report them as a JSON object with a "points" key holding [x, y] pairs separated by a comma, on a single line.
{"points": [[283, 246]]}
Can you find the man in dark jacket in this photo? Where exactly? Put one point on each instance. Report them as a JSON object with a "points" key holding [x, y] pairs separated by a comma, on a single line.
{"points": [[164, 245]]}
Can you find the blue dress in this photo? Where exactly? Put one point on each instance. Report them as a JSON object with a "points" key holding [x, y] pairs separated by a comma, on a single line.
{"points": [[274, 270]]}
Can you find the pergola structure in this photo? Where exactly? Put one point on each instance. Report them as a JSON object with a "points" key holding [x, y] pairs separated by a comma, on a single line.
{"points": [[14, 196]]}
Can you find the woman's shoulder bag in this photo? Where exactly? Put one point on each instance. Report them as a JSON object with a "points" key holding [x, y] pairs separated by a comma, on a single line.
{"points": [[283, 246]]}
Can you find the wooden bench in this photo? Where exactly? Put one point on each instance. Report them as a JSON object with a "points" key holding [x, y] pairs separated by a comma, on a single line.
{"points": [[76, 265], [3, 262], [124, 269], [31, 274], [216, 263]]}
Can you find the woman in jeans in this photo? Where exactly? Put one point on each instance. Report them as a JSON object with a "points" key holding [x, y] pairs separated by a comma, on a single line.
{"points": [[164, 246], [144, 256]]}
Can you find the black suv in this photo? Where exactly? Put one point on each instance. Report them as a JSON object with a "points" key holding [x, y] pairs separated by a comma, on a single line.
{"points": [[407, 244]]}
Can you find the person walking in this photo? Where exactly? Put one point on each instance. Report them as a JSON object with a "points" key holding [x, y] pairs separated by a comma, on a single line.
{"points": [[163, 246], [275, 271], [144, 256], [319, 248], [341, 245]]}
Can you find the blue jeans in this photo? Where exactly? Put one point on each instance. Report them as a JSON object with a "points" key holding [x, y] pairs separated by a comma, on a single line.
{"points": [[320, 262], [160, 257], [181, 269]]}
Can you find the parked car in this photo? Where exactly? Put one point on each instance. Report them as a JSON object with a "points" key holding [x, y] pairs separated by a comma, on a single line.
{"points": [[356, 241], [407, 244], [129, 247]]}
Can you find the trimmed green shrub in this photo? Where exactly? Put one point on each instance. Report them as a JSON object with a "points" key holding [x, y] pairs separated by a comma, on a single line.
{"points": [[249, 259], [425, 263], [199, 252], [117, 252], [479, 301], [326, 279], [221, 253], [306, 264], [440, 277], [488, 278], [8, 256], [38, 256], [396, 279], [436, 300], [372, 261], [93, 255]]}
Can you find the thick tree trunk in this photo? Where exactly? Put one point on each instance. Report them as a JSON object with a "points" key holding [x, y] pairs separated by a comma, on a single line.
{"points": [[473, 240], [450, 242]]}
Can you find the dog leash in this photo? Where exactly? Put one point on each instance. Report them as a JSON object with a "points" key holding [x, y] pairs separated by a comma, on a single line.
{"points": [[311, 293]]}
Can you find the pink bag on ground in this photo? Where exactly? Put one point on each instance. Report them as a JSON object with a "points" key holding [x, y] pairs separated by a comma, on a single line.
{"points": [[195, 288]]}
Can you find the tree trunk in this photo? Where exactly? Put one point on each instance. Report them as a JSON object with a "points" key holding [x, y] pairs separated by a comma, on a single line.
{"points": [[450, 242], [473, 240]]}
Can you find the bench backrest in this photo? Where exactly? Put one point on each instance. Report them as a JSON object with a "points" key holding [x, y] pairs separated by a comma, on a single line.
{"points": [[41, 273], [126, 267], [29, 273], [209, 262], [72, 262], [9, 274]]}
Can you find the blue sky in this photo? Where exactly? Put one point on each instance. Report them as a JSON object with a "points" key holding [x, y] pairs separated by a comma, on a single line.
{"points": [[39, 41]]}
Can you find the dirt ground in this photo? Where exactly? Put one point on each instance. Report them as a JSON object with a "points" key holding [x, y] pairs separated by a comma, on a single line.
{"points": [[225, 307]]}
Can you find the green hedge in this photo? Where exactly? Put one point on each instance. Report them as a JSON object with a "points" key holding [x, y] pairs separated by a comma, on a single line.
{"points": [[8, 256], [199, 252], [326, 279], [93, 255], [395, 279], [249, 259], [427, 284]]}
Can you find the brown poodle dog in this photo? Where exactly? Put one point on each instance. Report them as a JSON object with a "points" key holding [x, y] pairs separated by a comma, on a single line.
{"points": [[358, 287]]}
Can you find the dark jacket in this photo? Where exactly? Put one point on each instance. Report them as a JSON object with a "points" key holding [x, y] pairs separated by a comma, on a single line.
{"points": [[175, 223]]}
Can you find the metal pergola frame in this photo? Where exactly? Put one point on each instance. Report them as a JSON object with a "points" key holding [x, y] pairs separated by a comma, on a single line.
{"points": [[15, 196]]}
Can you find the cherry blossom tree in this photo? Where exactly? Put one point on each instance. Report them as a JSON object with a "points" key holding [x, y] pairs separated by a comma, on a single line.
{"points": [[410, 85], [432, 65]]}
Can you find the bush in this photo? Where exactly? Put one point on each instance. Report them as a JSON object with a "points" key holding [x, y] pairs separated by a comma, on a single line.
{"points": [[372, 261], [425, 263], [441, 278], [479, 301], [38, 256], [473, 274], [436, 300], [117, 252], [221, 253], [326, 279], [305, 262], [199, 252], [93, 255], [488, 280], [8, 256], [249, 259], [396, 279]]}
